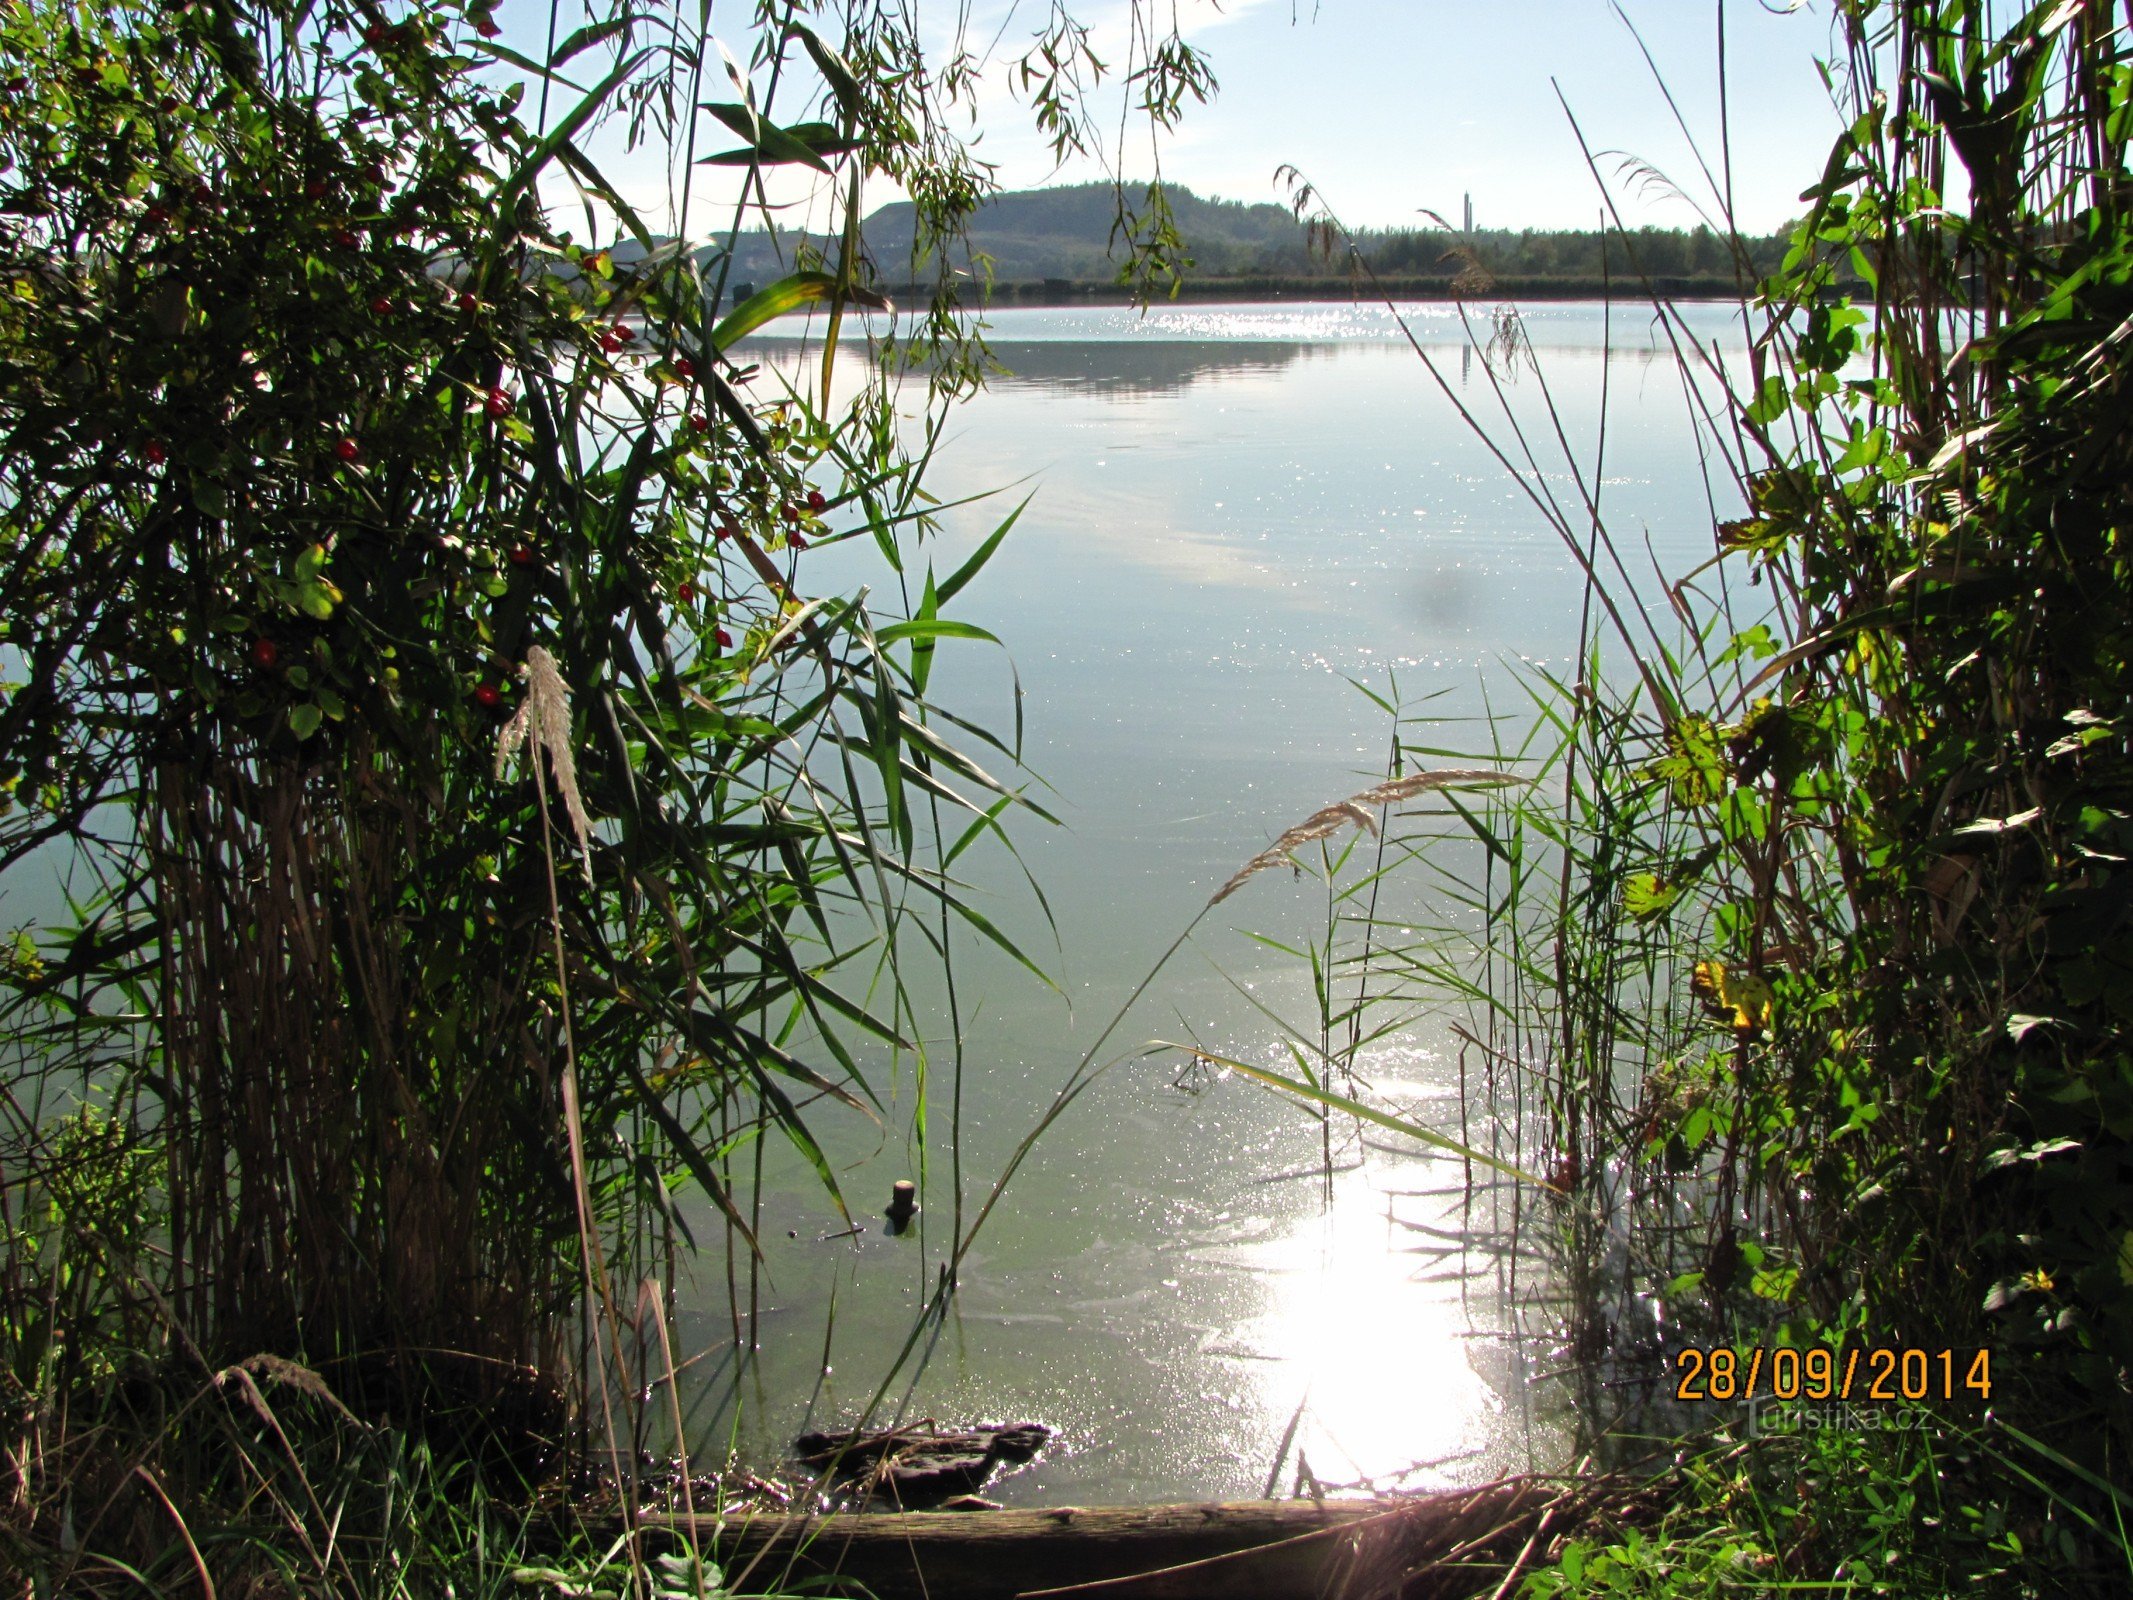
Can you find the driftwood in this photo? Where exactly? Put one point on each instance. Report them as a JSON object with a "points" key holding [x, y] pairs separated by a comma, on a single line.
{"points": [[919, 1466], [1461, 1543]]}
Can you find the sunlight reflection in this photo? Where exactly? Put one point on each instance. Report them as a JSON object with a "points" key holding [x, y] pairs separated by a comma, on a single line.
{"points": [[1368, 1335]]}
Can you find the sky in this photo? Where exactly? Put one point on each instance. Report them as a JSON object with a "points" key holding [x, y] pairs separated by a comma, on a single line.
{"points": [[1394, 107]]}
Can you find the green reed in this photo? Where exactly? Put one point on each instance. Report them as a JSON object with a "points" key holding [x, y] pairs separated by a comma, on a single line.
{"points": [[1793, 948]]}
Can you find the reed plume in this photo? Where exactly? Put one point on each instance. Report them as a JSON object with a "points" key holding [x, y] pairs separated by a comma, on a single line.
{"points": [[1327, 820], [542, 721]]}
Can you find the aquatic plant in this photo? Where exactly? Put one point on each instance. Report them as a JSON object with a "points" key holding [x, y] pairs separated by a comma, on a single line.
{"points": [[1806, 940]]}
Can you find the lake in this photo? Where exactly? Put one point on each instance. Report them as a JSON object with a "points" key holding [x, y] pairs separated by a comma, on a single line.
{"points": [[1234, 512]]}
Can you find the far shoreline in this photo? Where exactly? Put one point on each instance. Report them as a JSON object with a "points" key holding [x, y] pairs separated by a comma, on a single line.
{"points": [[1255, 290]]}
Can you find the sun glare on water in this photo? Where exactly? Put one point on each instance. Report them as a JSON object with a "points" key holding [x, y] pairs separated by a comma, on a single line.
{"points": [[1371, 1337]]}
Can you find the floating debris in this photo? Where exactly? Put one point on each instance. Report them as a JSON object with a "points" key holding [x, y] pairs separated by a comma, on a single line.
{"points": [[920, 1465]]}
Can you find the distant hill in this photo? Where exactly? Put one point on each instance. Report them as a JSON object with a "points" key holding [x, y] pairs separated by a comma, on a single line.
{"points": [[1065, 234]]}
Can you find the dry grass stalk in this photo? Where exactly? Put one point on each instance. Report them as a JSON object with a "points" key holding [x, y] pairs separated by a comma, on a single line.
{"points": [[291, 1374], [1328, 820], [543, 720]]}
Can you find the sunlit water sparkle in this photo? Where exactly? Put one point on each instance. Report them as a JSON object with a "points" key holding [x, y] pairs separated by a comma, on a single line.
{"points": [[1237, 510]]}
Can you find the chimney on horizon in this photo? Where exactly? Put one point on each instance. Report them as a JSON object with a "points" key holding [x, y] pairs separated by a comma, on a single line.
{"points": [[1470, 215]]}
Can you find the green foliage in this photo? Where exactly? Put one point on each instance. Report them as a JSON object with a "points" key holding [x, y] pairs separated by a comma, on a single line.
{"points": [[1899, 1511], [1945, 531], [1884, 832], [318, 437], [1812, 938]]}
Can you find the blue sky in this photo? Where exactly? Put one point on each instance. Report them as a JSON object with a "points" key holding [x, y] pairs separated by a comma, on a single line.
{"points": [[1390, 106], [1393, 106]]}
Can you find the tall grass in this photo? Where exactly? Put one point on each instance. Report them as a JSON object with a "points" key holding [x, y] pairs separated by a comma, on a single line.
{"points": [[1795, 944]]}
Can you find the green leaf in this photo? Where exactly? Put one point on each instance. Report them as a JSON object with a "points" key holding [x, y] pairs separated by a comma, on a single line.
{"points": [[304, 719], [505, 207], [1645, 898], [835, 70], [933, 628], [989, 819], [767, 142], [929, 606], [978, 557], [787, 294], [1771, 403], [1774, 1283], [1355, 1108], [1694, 766], [819, 137], [586, 37], [978, 921]]}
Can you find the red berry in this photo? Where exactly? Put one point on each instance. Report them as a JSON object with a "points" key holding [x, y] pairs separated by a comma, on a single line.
{"points": [[467, 302], [685, 592], [155, 453], [729, 530], [498, 404], [381, 307], [347, 449], [684, 366], [625, 332], [18, 86], [699, 421], [796, 539], [725, 639], [488, 696], [485, 25], [815, 500], [374, 175], [378, 35], [521, 555], [790, 511], [345, 239], [265, 652], [156, 216], [316, 189]]}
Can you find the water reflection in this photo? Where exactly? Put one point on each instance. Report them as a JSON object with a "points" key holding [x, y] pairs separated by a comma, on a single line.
{"points": [[1363, 1346], [1238, 511], [1628, 327], [1122, 370]]}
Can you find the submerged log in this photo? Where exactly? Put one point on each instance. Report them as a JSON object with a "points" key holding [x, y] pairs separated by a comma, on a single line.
{"points": [[1419, 1547], [917, 1467]]}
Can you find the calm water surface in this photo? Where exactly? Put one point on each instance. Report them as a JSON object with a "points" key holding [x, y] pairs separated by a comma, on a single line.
{"points": [[1236, 510]]}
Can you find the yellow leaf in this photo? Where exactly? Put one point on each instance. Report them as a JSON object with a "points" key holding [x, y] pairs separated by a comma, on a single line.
{"points": [[1740, 999]]}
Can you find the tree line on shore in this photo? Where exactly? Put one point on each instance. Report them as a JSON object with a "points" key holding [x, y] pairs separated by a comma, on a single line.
{"points": [[1075, 233]]}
